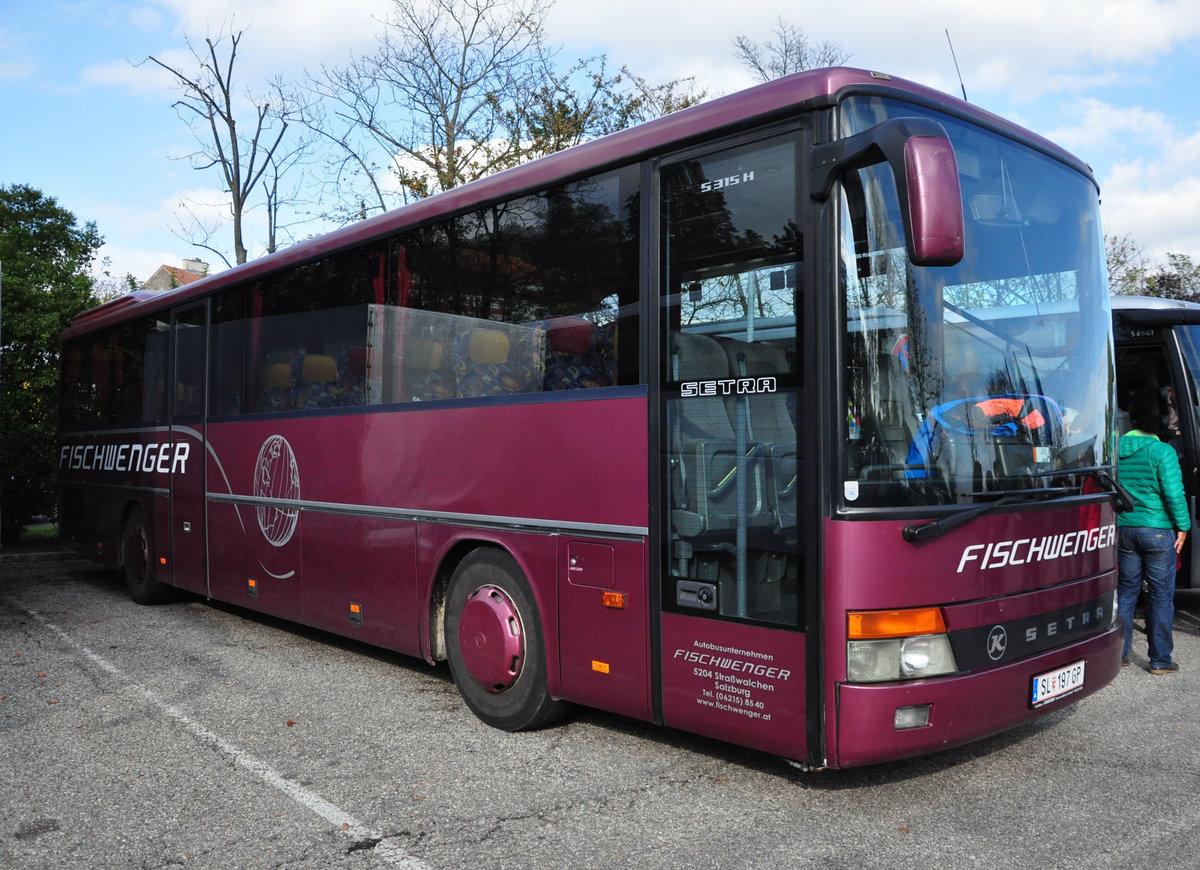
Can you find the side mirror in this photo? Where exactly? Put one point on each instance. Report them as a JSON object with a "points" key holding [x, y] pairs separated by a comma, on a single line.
{"points": [[922, 160]]}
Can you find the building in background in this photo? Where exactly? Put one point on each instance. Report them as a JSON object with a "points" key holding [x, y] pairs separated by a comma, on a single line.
{"points": [[170, 277]]}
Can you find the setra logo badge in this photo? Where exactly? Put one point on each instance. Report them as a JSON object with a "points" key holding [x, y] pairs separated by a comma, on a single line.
{"points": [[997, 643]]}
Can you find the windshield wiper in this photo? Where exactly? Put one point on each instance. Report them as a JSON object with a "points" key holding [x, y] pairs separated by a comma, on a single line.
{"points": [[916, 533]]}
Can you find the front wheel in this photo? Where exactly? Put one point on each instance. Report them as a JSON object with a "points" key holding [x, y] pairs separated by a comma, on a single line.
{"points": [[137, 560], [495, 644]]}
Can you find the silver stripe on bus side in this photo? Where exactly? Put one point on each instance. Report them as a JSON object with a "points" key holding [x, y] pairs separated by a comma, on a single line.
{"points": [[441, 517], [160, 491]]}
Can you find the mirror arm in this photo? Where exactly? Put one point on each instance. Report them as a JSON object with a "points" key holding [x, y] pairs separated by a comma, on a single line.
{"points": [[883, 142]]}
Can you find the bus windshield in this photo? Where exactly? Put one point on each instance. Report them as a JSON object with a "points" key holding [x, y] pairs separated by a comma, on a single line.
{"points": [[964, 383]]}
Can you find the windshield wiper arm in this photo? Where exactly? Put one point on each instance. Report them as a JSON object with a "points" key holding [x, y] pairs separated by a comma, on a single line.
{"points": [[915, 534], [1102, 475]]}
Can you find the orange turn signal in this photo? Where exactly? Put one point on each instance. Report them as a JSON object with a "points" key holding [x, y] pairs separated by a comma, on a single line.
{"points": [[614, 599], [867, 624]]}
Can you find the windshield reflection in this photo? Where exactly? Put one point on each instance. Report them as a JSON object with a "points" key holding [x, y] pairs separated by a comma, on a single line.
{"points": [[963, 383]]}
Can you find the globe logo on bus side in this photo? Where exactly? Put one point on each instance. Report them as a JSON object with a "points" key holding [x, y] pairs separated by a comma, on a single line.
{"points": [[276, 476]]}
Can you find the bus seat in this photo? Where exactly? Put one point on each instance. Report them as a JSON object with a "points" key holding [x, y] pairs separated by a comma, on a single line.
{"points": [[353, 363], [427, 375], [572, 361], [495, 362], [768, 420], [314, 381], [276, 391], [705, 460], [605, 343]]}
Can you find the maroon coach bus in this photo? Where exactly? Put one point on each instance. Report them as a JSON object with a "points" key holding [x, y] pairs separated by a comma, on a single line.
{"points": [[786, 419]]}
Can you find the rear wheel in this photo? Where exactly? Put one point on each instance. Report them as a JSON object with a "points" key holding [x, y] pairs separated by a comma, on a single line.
{"points": [[137, 560], [495, 644]]}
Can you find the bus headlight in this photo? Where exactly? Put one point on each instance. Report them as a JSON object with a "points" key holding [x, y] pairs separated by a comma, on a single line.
{"points": [[898, 645]]}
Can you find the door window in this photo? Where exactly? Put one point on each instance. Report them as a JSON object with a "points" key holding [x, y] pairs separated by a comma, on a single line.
{"points": [[731, 248]]}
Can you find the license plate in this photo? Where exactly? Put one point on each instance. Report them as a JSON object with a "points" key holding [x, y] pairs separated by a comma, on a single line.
{"points": [[1056, 683]]}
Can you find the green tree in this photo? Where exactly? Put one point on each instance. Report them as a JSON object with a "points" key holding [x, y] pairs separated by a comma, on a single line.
{"points": [[1178, 279], [44, 255], [1127, 265]]}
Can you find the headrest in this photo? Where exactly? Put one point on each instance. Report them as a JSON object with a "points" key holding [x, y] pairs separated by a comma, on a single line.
{"points": [[698, 357], [488, 346], [569, 334], [423, 354], [277, 376], [318, 368]]}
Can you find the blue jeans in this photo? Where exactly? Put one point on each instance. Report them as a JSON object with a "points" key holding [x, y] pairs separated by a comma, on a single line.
{"points": [[1147, 554]]}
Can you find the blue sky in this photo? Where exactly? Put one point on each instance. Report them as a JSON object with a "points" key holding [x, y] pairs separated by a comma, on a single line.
{"points": [[1112, 80]]}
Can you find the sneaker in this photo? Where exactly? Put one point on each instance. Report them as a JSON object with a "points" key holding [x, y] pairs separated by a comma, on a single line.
{"points": [[1169, 668], [1125, 662]]}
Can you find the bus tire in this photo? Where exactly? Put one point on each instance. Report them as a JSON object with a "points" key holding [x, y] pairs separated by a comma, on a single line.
{"points": [[137, 559], [495, 643]]}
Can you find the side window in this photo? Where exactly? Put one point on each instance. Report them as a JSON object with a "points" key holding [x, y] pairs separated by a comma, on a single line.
{"points": [[152, 337], [75, 386], [534, 294], [115, 377], [139, 362], [189, 363], [312, 334], [228, 378]]}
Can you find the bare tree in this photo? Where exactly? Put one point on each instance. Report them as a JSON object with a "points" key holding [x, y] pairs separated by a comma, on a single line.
{"points": [[791, 51], [587, 101], [209, 106], [458, 89], [426, 107]]}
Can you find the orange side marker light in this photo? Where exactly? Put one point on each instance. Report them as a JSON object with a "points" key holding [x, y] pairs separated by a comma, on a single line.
{"points": [[615, 600]]}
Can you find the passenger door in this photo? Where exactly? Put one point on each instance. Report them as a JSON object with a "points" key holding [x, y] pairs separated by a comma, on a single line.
{"points": [[733, 587]]}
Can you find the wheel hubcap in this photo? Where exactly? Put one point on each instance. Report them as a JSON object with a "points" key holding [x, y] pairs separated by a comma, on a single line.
{"points": [[490, 639]]}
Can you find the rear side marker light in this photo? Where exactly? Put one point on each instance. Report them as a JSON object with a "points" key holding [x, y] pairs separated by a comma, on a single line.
{"points": [[615, 600]]}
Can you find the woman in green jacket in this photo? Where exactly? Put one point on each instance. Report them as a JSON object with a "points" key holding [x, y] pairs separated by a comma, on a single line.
{"points": [[1150, 536]]}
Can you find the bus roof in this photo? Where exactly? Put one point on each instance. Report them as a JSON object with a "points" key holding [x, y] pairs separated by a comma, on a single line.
{"points": [[807, 90], [1154, 310]]}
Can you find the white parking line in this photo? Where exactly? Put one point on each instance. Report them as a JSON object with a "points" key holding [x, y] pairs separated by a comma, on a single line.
{"points": [[345, 823]]}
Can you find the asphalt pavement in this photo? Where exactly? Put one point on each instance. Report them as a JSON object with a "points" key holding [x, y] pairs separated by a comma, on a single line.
{"points": [[200, 735]]}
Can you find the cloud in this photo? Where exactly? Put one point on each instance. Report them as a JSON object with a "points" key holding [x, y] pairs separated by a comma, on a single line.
{"points": [[15, 63], [1025, 48], [1167, 213], [1102, 128], [283, 37]]}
